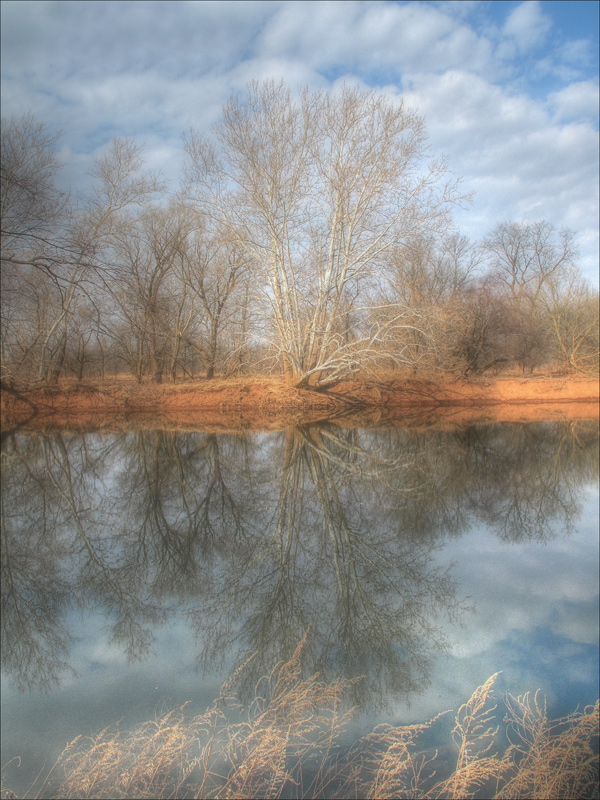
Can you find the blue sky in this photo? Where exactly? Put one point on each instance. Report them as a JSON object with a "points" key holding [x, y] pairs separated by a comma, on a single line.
{"points": [[509, 90]]}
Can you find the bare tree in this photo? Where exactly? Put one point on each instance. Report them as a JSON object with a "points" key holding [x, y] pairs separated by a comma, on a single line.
{"points": [[32, 215], [31, 204], [147, 251], [478, 332], [316, 190], [524, 257], [51, 250], [427, 277], [213, 271], [572, 310], [119, 184]]}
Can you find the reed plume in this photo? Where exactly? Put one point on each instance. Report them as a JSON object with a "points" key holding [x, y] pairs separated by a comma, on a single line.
{"points": [[286, 743]]}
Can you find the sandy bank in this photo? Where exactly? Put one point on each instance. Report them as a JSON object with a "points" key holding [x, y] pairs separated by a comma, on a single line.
{"points": [[267, 403]]}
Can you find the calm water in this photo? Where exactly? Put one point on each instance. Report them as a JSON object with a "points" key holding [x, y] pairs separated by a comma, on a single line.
{"points": [[139, 569]]}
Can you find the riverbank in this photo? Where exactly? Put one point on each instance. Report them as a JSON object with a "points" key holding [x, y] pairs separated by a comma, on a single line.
{"points": [[267, 402]]}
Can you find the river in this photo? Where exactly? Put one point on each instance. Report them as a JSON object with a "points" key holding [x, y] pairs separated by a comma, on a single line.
{"points": [[140, 568]]}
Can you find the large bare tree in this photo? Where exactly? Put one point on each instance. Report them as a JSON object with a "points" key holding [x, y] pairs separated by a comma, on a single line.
{"points": [[316, 189]]}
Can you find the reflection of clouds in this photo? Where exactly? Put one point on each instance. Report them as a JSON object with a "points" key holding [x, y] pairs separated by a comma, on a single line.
{"points": [[565, 672], [578, 621], [37, 728], [173, 650], [104, 690], [267, 535], [521, 586], [535, 619]]}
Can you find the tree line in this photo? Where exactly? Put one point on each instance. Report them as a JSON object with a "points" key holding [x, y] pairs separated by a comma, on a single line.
{"points": [[311, 234]]}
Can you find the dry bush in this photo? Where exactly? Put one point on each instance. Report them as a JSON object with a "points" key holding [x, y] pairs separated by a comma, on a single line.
{"points": [[290, 731], [474, 735], [286, 744], [152, 761]]}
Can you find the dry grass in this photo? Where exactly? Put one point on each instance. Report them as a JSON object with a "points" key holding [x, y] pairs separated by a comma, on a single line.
{"points": [[285, 744], [554, 759]]}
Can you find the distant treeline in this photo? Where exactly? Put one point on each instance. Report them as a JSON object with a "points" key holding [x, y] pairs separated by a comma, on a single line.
{"points": [[310, 234]]}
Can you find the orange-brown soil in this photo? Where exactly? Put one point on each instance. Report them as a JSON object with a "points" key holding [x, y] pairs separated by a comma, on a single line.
{"points": [[269, 403]]}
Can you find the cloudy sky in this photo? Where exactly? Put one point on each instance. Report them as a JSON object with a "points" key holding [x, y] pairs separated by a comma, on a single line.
{"points": [[509, 90]]}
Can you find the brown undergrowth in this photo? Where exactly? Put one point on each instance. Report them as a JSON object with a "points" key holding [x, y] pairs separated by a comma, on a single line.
{"points": [[287, 744]]}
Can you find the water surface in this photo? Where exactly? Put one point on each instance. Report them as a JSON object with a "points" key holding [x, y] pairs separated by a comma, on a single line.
{"points": [[139, 569]]}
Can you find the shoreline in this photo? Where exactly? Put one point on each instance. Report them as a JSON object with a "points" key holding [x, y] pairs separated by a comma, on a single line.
{"points": [[269, 403]]}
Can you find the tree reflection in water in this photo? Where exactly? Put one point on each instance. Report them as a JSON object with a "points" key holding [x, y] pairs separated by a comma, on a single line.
{"points": [[256, 538]]}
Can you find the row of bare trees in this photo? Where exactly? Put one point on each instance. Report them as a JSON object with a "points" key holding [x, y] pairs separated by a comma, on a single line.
{"points": [[517, 299], [311, 233]]}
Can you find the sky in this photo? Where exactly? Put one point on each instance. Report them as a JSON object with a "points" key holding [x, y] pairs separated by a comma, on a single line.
{"points": [[508, 90]]}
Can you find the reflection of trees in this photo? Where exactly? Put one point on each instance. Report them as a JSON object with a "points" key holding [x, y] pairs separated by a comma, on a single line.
{"points": [[520, 480], [322, 559], [35, 593], [523, 478], [186, 500], [259, 537], [59, 552]]}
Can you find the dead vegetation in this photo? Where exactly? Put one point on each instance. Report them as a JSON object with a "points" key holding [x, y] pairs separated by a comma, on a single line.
{"points": [[287, 744]]}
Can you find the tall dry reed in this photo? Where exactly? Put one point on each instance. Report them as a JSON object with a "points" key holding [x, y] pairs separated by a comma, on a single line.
{"points": [[287, 744]]}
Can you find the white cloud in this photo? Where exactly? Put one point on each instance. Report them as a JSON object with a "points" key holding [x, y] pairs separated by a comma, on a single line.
{"points": [[372, 37], [577, 53], [527, 26], [520, 161], [575, 102], [459, 8], [153, 69], [294, 72]]}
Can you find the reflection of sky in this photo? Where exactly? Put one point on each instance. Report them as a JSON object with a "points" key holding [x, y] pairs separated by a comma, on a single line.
{"points": [[535, 619], [105, 690]]}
